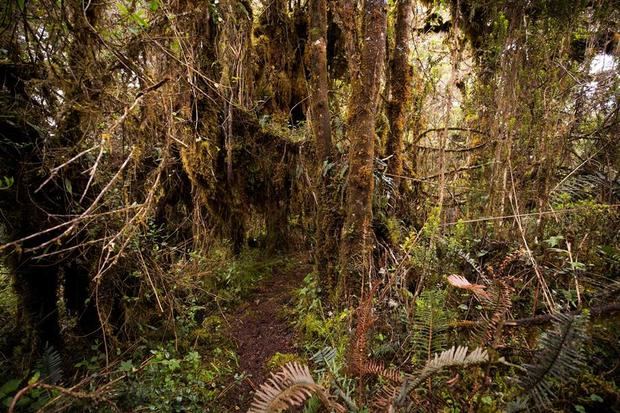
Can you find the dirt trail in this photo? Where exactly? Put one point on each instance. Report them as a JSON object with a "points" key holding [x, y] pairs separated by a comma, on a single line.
{"points": [[260, 329]]}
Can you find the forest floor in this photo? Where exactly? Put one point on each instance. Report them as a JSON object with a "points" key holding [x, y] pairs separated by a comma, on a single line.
{"points": [[261, 328]]}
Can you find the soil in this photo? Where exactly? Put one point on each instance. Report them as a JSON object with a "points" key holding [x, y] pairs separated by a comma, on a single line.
{"points": [[260, 328]]}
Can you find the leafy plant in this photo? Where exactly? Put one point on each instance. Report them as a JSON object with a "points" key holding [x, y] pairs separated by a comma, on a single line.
{"points": [[50, 365], [173, 382], [430, 325], [560, 359], [454, 357]]}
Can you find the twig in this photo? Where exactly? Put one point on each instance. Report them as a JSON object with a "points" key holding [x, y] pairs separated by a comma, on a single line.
{"points": [[55, 170], [529, 214]]}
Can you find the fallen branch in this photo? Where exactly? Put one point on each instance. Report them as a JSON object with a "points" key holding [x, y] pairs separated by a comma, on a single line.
{"points": [[602, 311]]}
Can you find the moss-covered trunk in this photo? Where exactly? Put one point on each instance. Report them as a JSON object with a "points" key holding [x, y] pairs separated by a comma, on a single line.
{"points": [[326, 217], [401, 75], [356, 239]]}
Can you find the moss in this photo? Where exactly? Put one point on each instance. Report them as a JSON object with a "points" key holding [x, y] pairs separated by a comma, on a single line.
{"points": [[280, 359]]}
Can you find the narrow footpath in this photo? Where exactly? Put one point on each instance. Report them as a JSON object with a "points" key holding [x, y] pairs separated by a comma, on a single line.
{"points": [[260, 328]]}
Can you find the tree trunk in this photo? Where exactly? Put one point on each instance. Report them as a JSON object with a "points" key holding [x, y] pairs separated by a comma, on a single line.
{"points": [[327, 228], [356, 240], [401, 75], [319, 103]]}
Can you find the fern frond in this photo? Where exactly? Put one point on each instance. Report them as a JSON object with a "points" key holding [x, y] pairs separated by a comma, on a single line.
{"points": [[325, 356], [289, 387], [378, 369], [560, 359], [583, 185], [384, 399], [503, 270], [454, 357], [502, 303], [358, 348], [50, 365], [461, 282], [430, 325]]}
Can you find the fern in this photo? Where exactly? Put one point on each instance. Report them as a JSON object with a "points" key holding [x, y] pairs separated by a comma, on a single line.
{"points": [[454, 357], [358, 349], [560, 359], [461, 282], [502, 303], [500, 300], [384, 399], [377, 368], [584, 185], [325, 358], [430, 325], [50, 365], [289, 387]]}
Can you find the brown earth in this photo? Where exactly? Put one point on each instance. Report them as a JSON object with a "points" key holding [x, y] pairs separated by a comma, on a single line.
{"points": [[260, 329]]}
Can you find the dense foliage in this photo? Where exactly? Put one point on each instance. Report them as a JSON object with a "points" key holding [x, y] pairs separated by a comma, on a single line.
{"points": [[389, 206]]}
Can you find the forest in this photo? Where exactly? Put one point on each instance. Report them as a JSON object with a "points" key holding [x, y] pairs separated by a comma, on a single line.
{"points": [[309, 206]]}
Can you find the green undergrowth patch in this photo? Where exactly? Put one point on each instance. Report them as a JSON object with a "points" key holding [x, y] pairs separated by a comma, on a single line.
{"points": [[319, 327], [177, 381], [185, 363], [227, 279]]}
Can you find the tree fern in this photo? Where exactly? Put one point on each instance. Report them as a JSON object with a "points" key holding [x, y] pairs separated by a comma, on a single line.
{"points": [[289, 387], [560, 358]]}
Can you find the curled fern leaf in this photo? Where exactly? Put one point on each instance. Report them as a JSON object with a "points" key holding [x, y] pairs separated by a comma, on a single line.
{"points": [[289, 387]]}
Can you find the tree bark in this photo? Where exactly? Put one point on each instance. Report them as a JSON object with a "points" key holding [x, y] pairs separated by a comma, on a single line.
{"points": [[327, 228], [401, 75], [356, 239], [319, 103]]}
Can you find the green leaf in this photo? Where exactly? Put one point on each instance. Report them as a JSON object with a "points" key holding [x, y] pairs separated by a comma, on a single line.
{"points": [[136, 17], [175, 47], [68, 186], [121, 7], [153, 5], [126, 366], [9, 387], [6, 182], [554, 241], [35, 378]]}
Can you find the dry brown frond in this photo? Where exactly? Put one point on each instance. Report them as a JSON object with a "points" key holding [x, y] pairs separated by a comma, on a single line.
{"points": [[358, 350], [502, 305], [459, 281], [377, 368], [289, 387]]}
